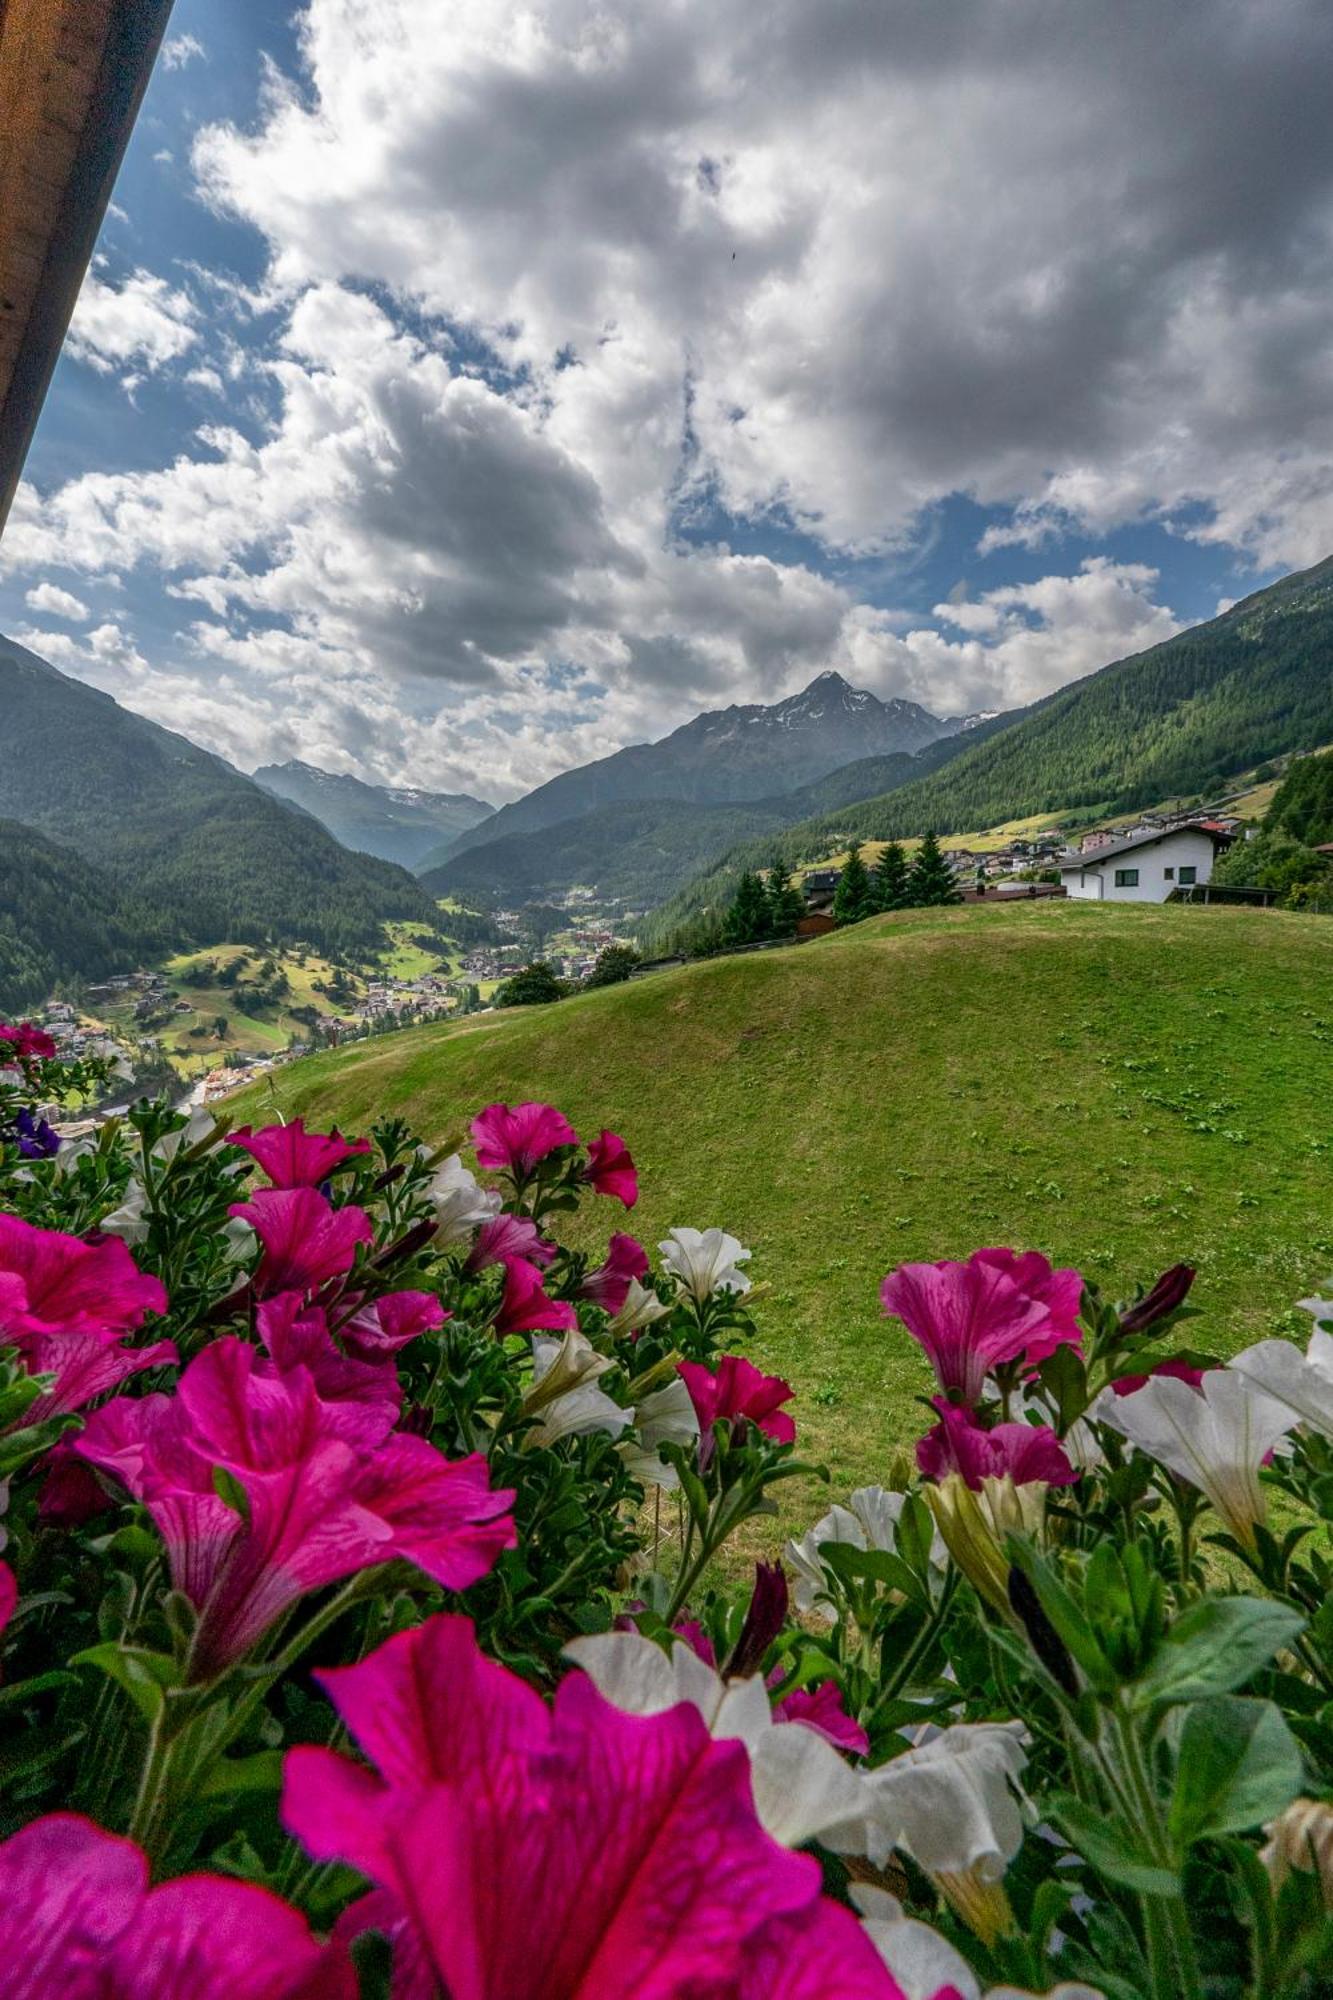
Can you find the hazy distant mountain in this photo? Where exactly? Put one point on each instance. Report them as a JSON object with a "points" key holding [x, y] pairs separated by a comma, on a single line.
{"points": [[728, 756], [395, 823], [214, 855]]}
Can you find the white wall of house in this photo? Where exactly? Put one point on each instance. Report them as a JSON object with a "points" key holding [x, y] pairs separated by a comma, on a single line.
{"points": [[1145, 874]]}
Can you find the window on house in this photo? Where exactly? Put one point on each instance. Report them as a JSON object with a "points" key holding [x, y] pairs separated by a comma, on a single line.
{"points": [[1126, 878], [1188, 875], [1170, 874]]}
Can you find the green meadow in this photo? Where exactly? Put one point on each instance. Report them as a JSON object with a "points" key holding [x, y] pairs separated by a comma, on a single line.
{"points": [[1120, 1088]]}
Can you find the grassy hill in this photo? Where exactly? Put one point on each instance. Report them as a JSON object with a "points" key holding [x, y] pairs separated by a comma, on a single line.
{"points": [[1118, 1087]]}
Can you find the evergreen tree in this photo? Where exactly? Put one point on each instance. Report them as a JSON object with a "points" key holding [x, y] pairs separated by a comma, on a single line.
{"points": [[615, 962], [891, 880], [747, 920], [932, 881], [854, 896], [786, 904]]}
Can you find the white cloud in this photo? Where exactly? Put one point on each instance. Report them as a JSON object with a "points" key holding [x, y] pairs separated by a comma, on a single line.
{"points": [[834, 271], [179, 50], [143, 321], [49, 601]]}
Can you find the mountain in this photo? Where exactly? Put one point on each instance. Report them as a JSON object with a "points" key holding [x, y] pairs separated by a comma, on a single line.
{"points": [[393, 823], [638, 853], [1178, 719], [63, 919], [728, 756], [1175, 721], [635, 853], [190, 836]]}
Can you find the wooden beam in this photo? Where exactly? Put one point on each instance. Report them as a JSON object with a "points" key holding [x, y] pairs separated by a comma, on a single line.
{"points": [[72, 78]]}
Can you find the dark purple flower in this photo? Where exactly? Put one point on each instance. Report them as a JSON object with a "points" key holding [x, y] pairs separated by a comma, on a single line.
{"points": [[1166, 1296], [36, 1139], [763, 1621]]}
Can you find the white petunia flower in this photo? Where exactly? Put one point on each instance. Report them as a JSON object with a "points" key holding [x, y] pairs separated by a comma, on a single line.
{"points": [[640, 1309], [460, 1202], [924, 1963], [130, 1221], [564, 1391], [197, 1127], [667, 1416], [1303, 1382], [802, 1787], [868, 1521], [1215, 1437], [704, 1261]]}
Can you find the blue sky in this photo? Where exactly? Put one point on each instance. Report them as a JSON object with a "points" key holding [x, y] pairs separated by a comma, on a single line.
{"points": [[465, 388]]}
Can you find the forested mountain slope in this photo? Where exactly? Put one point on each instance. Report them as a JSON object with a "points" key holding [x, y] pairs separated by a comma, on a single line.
{"points": [[185, 832], [62, 919]]}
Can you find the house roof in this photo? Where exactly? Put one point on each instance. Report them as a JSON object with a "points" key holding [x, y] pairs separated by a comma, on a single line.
{"points": [[72, 77], [1151, 837]]}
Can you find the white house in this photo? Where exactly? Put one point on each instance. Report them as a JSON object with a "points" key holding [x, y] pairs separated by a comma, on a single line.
{"points": [[1146, 866]]}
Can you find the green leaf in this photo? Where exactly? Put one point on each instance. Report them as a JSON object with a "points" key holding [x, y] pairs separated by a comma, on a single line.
{"points": [[915, 1534], [1065, 1613], [144, 1676], [1096, 1839], [1237, 1764], [853, 1565], [231, 1492], [1215, 1647], [261, 1772]]}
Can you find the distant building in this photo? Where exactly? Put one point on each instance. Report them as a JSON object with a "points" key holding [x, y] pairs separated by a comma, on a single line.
{"points": [[815, 923], [1146, 866]]}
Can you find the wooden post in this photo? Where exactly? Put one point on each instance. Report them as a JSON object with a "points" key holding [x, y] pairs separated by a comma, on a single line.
{"points": [[72, 78]]}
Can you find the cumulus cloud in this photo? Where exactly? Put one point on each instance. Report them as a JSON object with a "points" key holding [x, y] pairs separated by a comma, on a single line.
{"points": [[142, 323], [180, 50], [49, 601], [549, 284]]}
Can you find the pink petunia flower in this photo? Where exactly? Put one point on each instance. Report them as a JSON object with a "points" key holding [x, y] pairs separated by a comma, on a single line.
{"points": [[738, 1390], [52, 1283], [297, 1335], [25, 1041], [1182, 1371], [78, 1918], [610, 1170], [327, 1493], [821, 1709], [608, 1286], [305, 1238], [1061, 1292], [71, 1491], [293, 1157], [85, 1366], [505, 1237], [969, 1318], [526, 1307], [628, 1845], [515, 1140], [378, 1329], [1025, 1452]]}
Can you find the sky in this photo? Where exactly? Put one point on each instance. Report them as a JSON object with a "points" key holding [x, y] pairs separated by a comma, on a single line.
{"points": [[463, 389]]}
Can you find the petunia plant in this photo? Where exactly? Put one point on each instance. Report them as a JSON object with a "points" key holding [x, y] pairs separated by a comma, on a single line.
{"points": [[370, 1620]]}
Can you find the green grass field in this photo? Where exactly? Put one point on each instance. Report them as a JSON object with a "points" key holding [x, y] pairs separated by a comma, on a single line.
{"points": [[1120, 1088]]}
